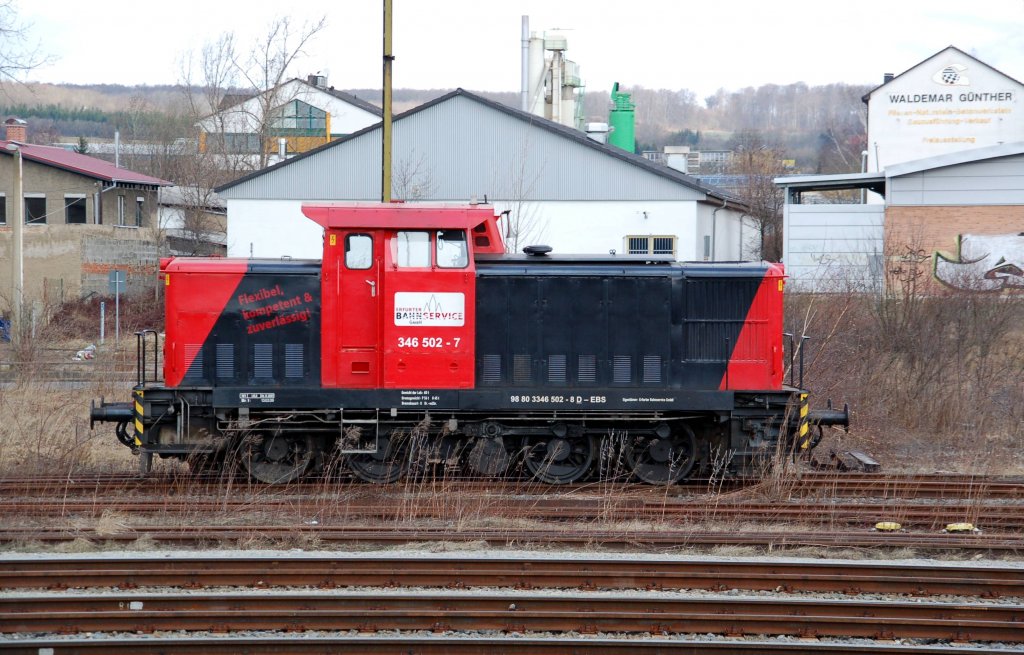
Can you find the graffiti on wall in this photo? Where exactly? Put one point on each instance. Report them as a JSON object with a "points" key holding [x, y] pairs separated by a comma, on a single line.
{"points": [[983, 262]]}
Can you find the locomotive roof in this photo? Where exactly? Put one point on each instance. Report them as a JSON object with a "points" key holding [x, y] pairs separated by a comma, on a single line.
{"points": [[238, 265], [603, 264]]}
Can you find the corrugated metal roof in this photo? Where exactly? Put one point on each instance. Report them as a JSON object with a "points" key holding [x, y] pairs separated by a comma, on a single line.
{"points": [[955, 158], [462, 145], [82, 164]]}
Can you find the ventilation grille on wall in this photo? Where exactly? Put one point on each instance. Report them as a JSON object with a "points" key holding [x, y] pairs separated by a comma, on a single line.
{"points": [[622, 367], [521, 373], [652, 369], [556, 369], [492, 369], [293, 365], [263, 361], [194, 352], [587, 372]]}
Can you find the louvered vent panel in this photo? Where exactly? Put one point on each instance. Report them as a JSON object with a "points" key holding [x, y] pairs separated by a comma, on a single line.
{"points": [[293, 365], [588, 369], [621, 369], [556, 369], [521, 373], [263, 360], [194, 352], [225, 361], [492, 369], [652, 368]]}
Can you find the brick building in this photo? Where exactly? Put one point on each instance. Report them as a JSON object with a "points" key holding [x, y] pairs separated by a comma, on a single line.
{"points": [[956, 218], [83, 218]]}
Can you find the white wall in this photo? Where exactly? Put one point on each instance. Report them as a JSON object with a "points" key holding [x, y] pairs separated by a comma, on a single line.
{"points": [[272, 228], [833, 247], [596, 227], [725, 230], [170, 218], [275, 228], [923, 113]]}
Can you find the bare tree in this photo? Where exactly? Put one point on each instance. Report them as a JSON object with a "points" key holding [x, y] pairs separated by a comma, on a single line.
{"points": [[757, 163], [522, 223], [220, 114], [266, 67], [412, 178], [18, 55]]}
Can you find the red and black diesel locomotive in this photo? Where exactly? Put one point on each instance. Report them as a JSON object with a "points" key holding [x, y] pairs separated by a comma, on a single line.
{"points": [[416, 342]]}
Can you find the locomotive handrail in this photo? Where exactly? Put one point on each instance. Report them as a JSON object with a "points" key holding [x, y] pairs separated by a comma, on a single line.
{"points": [[140, 356], [803, 343], [792, 355]]}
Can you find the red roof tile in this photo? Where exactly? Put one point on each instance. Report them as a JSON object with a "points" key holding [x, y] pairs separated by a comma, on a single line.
{"points": [[83, 164]]}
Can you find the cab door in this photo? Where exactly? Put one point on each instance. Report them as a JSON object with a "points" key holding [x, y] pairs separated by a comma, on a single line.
{"points": [[359, 309], [429, 311]]}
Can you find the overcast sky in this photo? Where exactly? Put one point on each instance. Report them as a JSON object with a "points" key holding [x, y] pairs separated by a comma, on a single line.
{"points": [[475, 44]]}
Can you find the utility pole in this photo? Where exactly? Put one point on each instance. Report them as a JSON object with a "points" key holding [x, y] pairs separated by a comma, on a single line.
{"points": [[385, 133], [18, 239]]}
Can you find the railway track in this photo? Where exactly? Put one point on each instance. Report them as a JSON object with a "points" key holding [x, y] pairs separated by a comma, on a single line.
{"points": [[938, 486], [578, 536], [510, 612], [184, 510], [1004, 517], [402, 604], [329, 571], [306, 644]]}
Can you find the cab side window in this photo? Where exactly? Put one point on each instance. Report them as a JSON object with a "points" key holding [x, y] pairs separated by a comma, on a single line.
{"points": [[451, 249], [358, 251], [413, 249]]}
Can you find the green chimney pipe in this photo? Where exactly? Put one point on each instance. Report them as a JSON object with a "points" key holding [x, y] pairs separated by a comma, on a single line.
{"points": [[621, 120]]}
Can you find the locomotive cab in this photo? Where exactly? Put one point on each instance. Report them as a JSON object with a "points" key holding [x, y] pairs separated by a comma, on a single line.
{"points": [[399, 294]]}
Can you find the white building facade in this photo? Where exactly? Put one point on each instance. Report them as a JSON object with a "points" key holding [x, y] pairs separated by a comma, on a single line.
{"points": [[948, 102]]}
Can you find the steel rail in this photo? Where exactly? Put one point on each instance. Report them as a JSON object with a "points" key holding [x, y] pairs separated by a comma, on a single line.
{"points": [[833, 485], [555, 509], [511, 612], [668, 538], [305, 644], [577, 572]]}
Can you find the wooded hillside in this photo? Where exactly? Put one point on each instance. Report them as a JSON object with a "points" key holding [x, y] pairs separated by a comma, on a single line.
{"points": [[822, 128]]}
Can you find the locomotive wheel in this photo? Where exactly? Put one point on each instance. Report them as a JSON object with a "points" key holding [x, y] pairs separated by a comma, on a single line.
{"points": [[276, 457], [388, 464], [662, 460], [557, 460]]}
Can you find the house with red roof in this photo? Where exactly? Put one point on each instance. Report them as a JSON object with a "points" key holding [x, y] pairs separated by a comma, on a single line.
{"points": [[84, 217]]}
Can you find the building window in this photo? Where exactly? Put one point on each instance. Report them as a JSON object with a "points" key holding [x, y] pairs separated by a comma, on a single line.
{"points": [[452, 251], [139, 210], [233, 143], [3, 209], [651, 245], [35, 210], [413, 249], [74, 210], [298, 118], [120, 211]]}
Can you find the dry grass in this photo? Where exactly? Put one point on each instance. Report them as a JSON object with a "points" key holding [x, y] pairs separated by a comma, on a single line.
{"points": [[934, 383], [45, 430]]}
